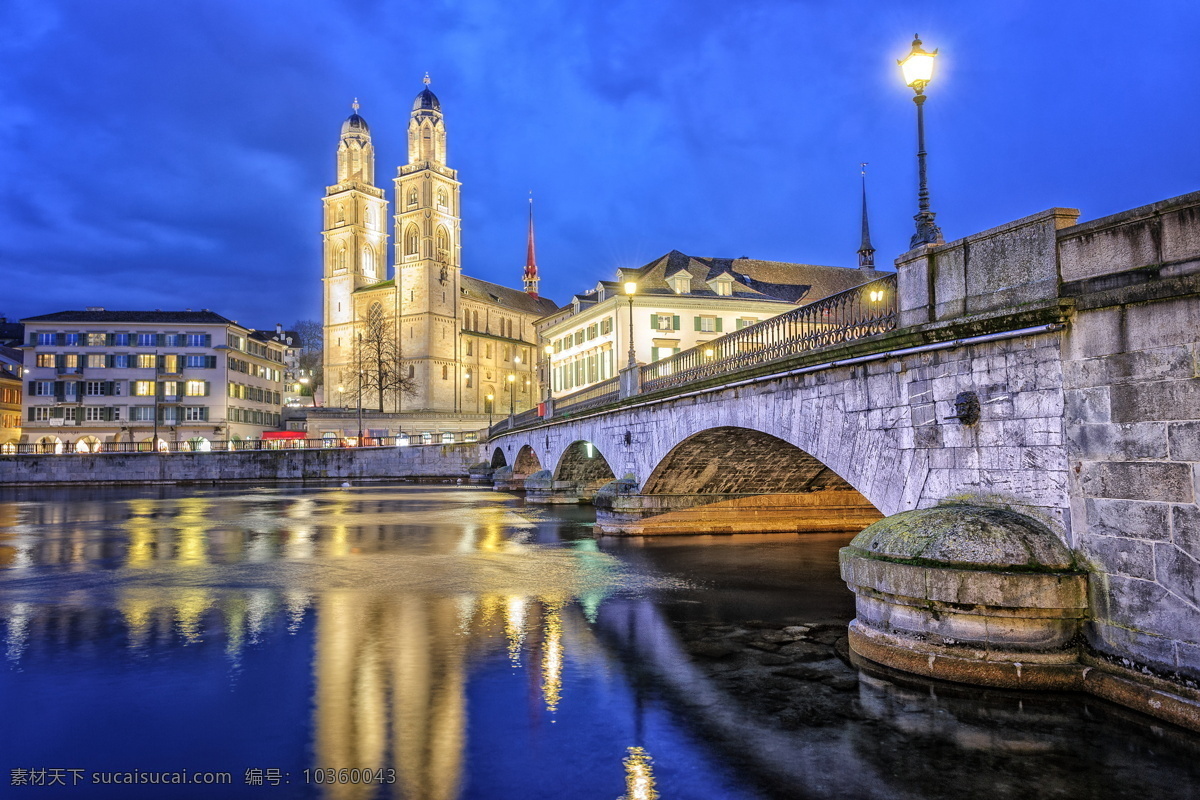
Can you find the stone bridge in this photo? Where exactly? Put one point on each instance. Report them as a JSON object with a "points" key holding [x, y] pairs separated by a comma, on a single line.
{"points": [[1045, 367]]}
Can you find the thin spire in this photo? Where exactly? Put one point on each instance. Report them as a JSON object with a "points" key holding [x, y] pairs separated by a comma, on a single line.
{"points": [[531, 270], [355, 105], [866, 253]]}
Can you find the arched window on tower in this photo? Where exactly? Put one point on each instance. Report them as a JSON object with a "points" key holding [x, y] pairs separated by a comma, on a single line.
{"points": [[340, 258], [368, 261], [412, 196], [369, 217], [442, 243], [340, 214], [441, 198], [411, 237]]}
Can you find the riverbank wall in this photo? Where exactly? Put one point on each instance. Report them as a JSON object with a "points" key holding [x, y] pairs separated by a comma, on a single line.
{"points": [[420, 461]]}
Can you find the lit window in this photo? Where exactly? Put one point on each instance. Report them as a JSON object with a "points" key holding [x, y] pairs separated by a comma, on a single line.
{"points": [[95, 361], [664, 322], [708, 324], [143, 388], [196, 389], [95, 339], [45, 359], [147, 361]]}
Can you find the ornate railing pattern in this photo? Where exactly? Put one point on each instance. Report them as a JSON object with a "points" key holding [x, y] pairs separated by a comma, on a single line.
{"points": [[853, 314], [595, 395]]}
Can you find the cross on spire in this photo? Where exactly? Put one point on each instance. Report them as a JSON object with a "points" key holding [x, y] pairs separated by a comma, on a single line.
{"points": [[427, 78], [355, 105]]}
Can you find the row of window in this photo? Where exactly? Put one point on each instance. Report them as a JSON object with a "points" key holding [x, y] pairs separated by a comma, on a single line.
{"points": [[254, 348], [256, 393], [254, 370], [170, 415], [585, 370], [71, 339], [253, 416], [10, 420], [9, 395], [507, 352], [71, 389], [165, 363], [593, 331], [471, 323]]}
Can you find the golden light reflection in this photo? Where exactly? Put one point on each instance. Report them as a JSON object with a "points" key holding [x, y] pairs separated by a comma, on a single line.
{"points": [[514, 628], [639, 775], [190, 605], [552, 657]]}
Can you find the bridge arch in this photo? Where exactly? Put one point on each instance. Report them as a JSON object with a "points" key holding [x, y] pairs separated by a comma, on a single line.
{"points": [[498, 459], [735, 460], [527, 461], [583, 463]]}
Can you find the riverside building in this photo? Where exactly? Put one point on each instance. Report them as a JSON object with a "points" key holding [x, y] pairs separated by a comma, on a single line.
{"points": [[97, 376]]}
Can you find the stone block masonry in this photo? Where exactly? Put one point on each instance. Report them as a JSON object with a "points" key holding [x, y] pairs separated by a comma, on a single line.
{"points": [[428, 461], [1131, 368]]}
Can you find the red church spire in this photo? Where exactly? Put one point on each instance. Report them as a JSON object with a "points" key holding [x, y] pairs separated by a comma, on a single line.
{"points": [[531, 272]]}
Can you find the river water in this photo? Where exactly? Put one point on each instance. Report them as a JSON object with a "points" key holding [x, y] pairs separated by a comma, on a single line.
{"points": [[440, 642]]}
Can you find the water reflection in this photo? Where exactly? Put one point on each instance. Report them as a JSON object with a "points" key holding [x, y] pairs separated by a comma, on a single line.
{"points": [[483, 653]]}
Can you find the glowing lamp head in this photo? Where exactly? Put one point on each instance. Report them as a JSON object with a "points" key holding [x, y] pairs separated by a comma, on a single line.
{"points": [[491, 397], [549, 350], [708, 353], [630, 287], [511, 377], [917, 66], [341, 388]]}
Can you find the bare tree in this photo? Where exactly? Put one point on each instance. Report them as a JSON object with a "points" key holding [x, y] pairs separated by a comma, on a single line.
{"points": [[312, 353], [377, 360]]}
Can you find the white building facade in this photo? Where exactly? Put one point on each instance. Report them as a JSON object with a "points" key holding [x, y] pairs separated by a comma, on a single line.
{"points": [[96, 376]]}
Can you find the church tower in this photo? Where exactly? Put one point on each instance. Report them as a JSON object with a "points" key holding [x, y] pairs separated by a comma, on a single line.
{"points": [[428, 268], [355, 243]]}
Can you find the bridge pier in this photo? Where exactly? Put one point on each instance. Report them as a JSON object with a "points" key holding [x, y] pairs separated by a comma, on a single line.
{"points": [[505, 479], [542, 489], [828, 511]]}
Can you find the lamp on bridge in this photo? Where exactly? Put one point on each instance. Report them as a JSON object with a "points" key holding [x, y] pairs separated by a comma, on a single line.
{"points": [[917, 67], [549, 351], [630, 291]]}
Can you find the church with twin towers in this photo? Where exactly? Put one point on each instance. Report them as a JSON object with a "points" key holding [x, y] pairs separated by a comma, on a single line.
{"points": [[454, 338]]}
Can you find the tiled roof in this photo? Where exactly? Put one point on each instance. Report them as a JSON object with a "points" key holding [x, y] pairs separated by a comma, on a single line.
{"points": [[776, 281], [506, 297], [174, 317], [275, 336]]}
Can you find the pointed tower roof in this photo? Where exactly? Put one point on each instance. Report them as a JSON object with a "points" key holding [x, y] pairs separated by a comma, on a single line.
{"points": [[426, 99], [866, 253], [531, 270]]}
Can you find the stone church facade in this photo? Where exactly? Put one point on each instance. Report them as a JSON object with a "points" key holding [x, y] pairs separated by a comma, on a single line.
{"points": [[457, 338]]}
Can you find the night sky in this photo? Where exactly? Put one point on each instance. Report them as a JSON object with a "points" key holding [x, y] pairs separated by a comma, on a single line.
{"points": [[173, 154]]}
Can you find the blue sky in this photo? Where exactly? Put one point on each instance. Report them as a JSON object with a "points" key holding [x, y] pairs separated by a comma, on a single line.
{"points": [[173, 154]]}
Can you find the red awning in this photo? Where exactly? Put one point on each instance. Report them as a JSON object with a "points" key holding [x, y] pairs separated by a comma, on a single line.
{"points": [[284, 435]]}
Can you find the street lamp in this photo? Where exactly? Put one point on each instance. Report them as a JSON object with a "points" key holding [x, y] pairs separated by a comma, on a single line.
{"points": [[630, 291], [549, 350], [491, 404], [917, 67], [512, 396]]}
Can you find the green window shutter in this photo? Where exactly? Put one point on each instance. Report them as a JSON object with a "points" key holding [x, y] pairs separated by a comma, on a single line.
{"points": [[697, 319], [719, 327], [207, 384], [31, 389], [210, 362], [109, 339], [653, 354], [738, 324], [653, 321], [160, 340], [675, 322], [675, 350], [60, 361], [31, 413], [108, 388]]}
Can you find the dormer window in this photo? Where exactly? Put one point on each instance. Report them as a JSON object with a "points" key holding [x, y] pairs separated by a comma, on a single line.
{"points": [[723, 286], [681, 283]]}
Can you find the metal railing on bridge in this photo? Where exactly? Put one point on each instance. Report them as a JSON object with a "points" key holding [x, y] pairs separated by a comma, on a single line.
{"points": [[599, 394], [853, 314]]}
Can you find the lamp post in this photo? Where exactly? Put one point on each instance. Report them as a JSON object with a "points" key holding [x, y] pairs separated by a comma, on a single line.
{"points": [[630, 291], [491, 404], [512, 397], [917, 67], [549, 351]]}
